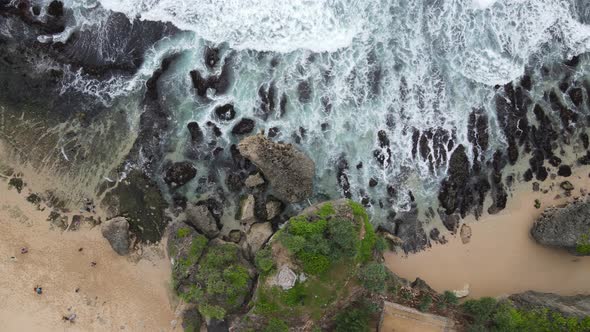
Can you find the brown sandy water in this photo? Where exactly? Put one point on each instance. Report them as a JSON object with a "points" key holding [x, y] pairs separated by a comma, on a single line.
{"points": [[502, 258], [118, 294]]}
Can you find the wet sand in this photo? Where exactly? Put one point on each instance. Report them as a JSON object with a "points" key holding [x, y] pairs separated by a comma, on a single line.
{"points": [[118, 294], [502, 258]]}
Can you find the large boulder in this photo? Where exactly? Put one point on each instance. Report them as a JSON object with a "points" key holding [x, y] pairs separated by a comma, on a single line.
{"points": [[258, 235], [180, 173], [201, 218], [116, 231], [570, 306], [565, 227], [289, 171]]}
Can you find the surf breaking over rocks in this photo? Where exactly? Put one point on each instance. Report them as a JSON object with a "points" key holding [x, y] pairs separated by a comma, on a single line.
{"points": [[396, 102]]}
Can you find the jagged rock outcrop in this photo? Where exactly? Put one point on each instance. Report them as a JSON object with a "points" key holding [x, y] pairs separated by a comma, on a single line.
{"points": [[289, 171], [570, 306], [565, 227], [201, 218]]}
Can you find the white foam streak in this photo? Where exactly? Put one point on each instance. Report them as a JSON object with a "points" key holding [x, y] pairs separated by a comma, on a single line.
{"points": [[262, 25]]}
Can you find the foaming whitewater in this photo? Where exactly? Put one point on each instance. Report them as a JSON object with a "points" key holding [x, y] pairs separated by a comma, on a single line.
{"points": [[263, 25], [393, 67]]}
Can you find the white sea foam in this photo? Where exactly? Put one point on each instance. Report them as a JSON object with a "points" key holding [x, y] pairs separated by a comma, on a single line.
{"points": [[264, 25]]}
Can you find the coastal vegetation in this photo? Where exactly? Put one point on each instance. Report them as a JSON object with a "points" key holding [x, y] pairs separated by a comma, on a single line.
{"points": [[488, 314]]}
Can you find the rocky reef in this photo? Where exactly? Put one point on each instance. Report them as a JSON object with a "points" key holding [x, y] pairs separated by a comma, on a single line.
{"points": [[566, 227]]}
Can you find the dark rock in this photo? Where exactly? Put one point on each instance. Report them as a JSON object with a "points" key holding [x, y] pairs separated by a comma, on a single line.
{"points": [[116, 231], [528, 175], [407, 227], [304, 89], [180, 173], [214, 205], [564, 227], [195, 132], [451, 222], [219, 84], [577, 306], [526, 82], [245, 126], [191, 320], [436, 237], [289, 171], [234, 236], [273, 132], [585, 160], [138, 198], [536, 186], [215, 325], [542, 174], [342, 176], [201, 219], [55, 8], [577, 96], [225, 112], [211, 57], [564, 170], [554, 161], [567, 186], [373, 182], [585, 140], [451, 195]]}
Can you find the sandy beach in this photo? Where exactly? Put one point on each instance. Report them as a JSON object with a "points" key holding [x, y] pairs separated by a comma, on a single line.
{"points": [[501, 257], [118, 293]]}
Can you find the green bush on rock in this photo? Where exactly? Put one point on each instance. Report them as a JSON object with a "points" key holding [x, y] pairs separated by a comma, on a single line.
{"points": [[583, 245], [373, 277], [325, 247], [489, 315]]}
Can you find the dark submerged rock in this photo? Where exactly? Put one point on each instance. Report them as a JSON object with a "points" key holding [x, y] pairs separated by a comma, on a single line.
{"points": [[180, 173], [225, 112], [564, 170], [245, 126]]}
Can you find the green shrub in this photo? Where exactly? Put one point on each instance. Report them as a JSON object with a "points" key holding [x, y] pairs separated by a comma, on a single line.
{"points": [[266, 304], [583, 246], [294, 296], [344, 239], [293, 243], [225, 280], [450, 298], [318, 243], [263, 261], [183, 232], [481, 310], [193, 295], [326, 210], [276, 325], [198, 245], [381, 244], [368, 242], [314, 264], [353, 320], [373, 277], [212, 311], [425, 303], [301, 226], [508, 318]]}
